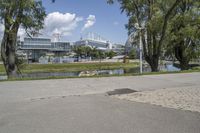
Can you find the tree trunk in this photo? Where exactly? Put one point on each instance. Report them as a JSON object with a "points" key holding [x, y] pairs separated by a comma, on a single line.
{"points": [[8, 48], [151, 51], [153, 62], [184, 65], [154, 65], [182, 57]]}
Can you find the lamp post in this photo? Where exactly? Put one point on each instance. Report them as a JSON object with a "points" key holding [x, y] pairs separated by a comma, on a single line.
{"points": [[140, 45]]}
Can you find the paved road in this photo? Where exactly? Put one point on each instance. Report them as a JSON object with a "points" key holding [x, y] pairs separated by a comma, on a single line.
{"points": [[80, 106]]}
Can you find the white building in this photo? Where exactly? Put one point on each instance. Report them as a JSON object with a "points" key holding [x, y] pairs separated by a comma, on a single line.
{"points": [[94, 41]]}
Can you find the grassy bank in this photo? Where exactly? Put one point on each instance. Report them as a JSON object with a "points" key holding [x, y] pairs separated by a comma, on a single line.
{"points": [[72, 67], [86, 66], [99, 76]]}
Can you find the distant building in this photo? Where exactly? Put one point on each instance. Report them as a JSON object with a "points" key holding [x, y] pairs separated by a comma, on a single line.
{"points": [[94, 41], [118, 48], [132, 43], [94, 44], [37, 47], [60, 48]]}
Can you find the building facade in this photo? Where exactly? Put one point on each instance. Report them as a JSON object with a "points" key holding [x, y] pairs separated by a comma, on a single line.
{"points": [[94, 40], [34, 48]]}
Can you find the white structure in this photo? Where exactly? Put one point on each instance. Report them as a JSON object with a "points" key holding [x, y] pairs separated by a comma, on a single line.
{"points": [[94, 40], [132, 42], [44, 60], [140, 28]]}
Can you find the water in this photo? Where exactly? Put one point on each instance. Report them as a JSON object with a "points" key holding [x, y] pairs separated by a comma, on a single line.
{"points": [[121, 71]]}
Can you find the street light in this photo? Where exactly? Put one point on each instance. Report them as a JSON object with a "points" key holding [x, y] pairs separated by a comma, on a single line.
{"points": [[140, 47]]}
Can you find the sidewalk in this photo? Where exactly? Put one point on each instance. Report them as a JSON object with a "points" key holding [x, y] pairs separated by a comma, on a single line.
{"points": [[184, 98]]}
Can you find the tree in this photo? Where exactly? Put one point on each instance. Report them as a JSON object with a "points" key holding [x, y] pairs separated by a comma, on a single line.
{"points": [[154, 16], [28, 14], [101, 55], [111, 54], [184, 33], [132, 54], [95, 53], [85, 51]]}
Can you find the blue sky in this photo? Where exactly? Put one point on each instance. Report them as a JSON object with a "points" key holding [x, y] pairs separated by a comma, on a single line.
{"points": [[102, 18]]}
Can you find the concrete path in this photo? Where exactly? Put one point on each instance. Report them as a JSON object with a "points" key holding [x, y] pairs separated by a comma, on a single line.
{"points": [[15, 90], [81, 106], [94, 114]]}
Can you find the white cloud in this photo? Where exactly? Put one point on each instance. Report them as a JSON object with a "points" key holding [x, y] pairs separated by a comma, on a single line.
{"points": [[90, 22], [62, 23]]}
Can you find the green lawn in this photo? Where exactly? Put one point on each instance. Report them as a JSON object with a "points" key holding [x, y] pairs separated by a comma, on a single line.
{"points": [[71, 67], [2, 70]]}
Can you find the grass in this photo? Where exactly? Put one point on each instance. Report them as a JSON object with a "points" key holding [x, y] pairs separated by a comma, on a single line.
{"points": [[2, 70], [72, 67], [196, 68], [86, 66], [99, 76]]}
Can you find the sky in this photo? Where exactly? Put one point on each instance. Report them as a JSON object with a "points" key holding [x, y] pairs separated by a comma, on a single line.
{"points": [[75, 18]]}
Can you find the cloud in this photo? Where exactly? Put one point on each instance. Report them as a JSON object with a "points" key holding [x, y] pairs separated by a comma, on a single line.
{"points": [[62, 23], [90, 22]]}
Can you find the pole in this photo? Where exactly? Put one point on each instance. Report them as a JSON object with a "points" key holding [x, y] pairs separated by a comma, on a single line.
{"points": [[140, 51]]}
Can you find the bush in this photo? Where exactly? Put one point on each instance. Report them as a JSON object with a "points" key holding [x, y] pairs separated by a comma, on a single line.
{"points": [[132, 54], [111, 54], [20, 62]]}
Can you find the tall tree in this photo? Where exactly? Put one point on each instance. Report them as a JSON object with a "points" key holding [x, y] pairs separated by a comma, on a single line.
{"points": [[184, 33], [154, 16], [27, 14]]}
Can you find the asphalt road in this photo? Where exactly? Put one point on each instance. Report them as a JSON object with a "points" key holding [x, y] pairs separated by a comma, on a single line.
{"points": [[81, 106]]}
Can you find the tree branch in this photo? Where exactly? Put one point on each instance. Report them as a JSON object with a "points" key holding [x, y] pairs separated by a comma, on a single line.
{"points": [[166, 18]]}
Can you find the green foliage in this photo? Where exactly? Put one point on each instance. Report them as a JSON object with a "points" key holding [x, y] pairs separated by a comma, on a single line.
{"points": [[15, 14], [86, 51], [81, 51], [20, 62], [72, 67], [111, 54], [183, 40], [132, 54], [153, 16], [29, 14]]}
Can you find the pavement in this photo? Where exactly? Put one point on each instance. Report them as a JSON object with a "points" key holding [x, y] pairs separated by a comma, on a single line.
{"points": [[82, 106], [184, 98]]}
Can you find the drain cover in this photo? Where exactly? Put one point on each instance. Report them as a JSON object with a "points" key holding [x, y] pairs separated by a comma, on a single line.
{"points": [[121, 91]]}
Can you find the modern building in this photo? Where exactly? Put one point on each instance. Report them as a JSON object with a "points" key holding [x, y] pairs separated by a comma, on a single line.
{"points": [[94, 41], [36, 47]]}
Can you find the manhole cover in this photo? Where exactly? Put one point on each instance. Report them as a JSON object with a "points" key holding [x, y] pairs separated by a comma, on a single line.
{"points": [[121, 91]]}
